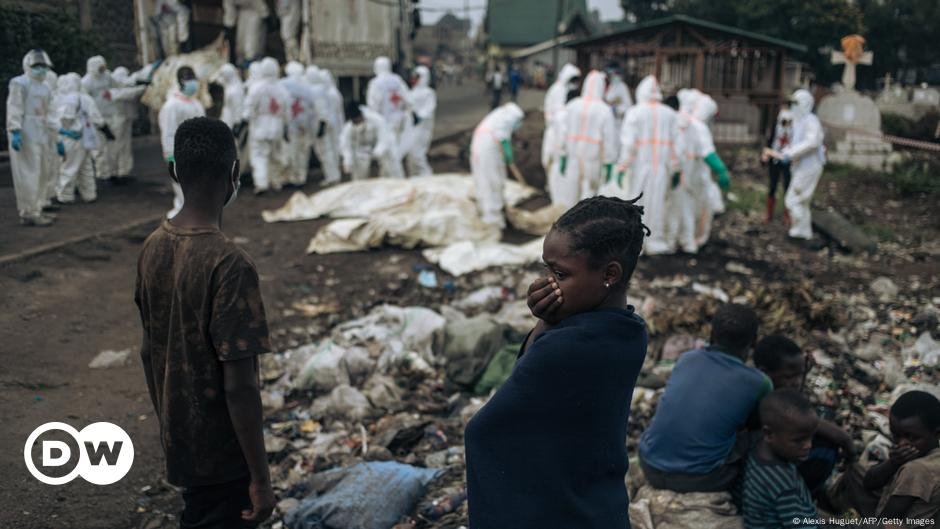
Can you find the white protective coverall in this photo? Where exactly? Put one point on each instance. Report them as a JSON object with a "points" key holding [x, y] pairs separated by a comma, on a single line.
{"points": [[327, 144], [247, 16], [553, 109], [424, 101], [77, 115], [360, 142], [337, 106], [173, 18], [290, 12], [29, 112], [303, 123], [178, 108], [618, 97], [234, 95], [47, 193], [388, 95], [691, 206], [488, 161], [267, 110], [808, 156], [589, 143], [125, 98], [98, 83], [649, 155]]}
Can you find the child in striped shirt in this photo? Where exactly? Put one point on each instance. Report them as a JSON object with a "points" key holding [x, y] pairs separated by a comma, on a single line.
{"points": [[773, 494]]}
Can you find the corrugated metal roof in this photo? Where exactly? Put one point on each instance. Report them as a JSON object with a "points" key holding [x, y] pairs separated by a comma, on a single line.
{"points": [[627, 28], [527, 22]]}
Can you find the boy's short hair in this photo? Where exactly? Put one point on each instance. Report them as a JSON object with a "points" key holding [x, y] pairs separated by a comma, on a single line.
{"points": [[607, 229], [184, 69], [203, 148], [771, 350], [734, 326], [918, 404], [781, 404]]}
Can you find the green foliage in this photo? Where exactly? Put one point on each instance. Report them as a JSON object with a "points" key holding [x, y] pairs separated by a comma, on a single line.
{"points": [[919, 174], [897, 125], [902, 33], [57, 32]]}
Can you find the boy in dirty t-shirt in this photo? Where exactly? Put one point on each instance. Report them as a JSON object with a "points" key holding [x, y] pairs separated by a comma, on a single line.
{"points": [[204, 325]]}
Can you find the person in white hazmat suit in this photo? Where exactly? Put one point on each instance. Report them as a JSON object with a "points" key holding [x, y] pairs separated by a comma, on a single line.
{"points": [[181, 104], [267, 111], [125, 98], [47, 193], [233, 94], [77, 116], [490, 154], [364, 137], [172, 17], [304, 123], [617, 95], [424, 101], [290, 12], [553, 109], [388, 95], [326, 141], [98, 83], [691, 207], [244, 22], [806, 156], [590, 145], [336, 106], [31, 131], [649, 159]]}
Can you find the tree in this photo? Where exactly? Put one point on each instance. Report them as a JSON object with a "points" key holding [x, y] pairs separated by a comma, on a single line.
{"points": [[902, 34]]}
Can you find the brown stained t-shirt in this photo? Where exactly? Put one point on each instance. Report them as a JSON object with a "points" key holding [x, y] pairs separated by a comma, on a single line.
{"points": [[919, 479], [200, 305]]}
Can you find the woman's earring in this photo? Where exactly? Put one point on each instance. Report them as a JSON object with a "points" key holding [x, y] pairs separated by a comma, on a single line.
{"points": [[606, 284]]}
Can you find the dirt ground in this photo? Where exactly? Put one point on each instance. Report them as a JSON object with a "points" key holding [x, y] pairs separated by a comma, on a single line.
{"points": [[61, 308]]}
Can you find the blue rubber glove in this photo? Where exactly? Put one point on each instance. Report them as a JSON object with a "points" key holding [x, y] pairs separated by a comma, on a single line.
{"points": [[74, 134], [16, 141], [563, 164], [60, 148]]}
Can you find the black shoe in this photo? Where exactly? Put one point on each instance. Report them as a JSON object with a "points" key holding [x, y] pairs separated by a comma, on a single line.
{"points": [[54, 206], [118, 180]]}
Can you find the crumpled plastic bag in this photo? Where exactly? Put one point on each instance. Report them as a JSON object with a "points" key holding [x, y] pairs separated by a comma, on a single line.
{"points": [[344, 402], [466, 256], [397, 330], [701, 510], [372, 495], [324, 370]]}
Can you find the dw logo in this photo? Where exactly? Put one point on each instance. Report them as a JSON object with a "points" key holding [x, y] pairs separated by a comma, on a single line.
{"points": [[105, 453]]}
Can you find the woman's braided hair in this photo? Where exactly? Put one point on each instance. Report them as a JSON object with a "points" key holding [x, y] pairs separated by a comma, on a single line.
{"points": [[606, 228]]}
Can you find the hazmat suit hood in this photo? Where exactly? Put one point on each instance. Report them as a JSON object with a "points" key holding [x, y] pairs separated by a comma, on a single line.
{"points": [[506, 119], [687, 98], [294, 70], [704, 108], [69, 84], [648, 90], [34, 57], [567, 73], [268, 68], [329, 78], [424, 77], [227, 73], [93, 65], [594, 86], [803, 103], [382, 65], [121, 75], [784, 115]]}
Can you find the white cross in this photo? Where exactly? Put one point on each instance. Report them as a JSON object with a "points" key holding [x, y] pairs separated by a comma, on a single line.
{"points": [[848, 73]]}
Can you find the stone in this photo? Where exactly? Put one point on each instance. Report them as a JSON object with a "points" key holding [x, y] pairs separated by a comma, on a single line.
{"points": [[108, 358], [884, 289], [852, 124]]}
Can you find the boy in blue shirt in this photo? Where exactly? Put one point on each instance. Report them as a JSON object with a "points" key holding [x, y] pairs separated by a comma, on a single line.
{"points": [[692, 444]]}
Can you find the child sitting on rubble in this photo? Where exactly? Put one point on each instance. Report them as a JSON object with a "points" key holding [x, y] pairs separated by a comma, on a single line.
{"points": [[697, 439], [549, 448], [910, 478], [773, 493], [786, 364]]}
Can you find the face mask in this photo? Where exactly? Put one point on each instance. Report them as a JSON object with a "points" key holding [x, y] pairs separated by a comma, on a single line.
{"points": [[38, 71], [238, 185], [190, 86]]}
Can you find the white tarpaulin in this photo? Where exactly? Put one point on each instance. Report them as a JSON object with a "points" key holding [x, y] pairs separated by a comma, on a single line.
{"points": [[433, 211], [466, 256]]}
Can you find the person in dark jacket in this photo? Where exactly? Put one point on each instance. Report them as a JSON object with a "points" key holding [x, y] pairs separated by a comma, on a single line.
{"points": [[549, 448]]}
